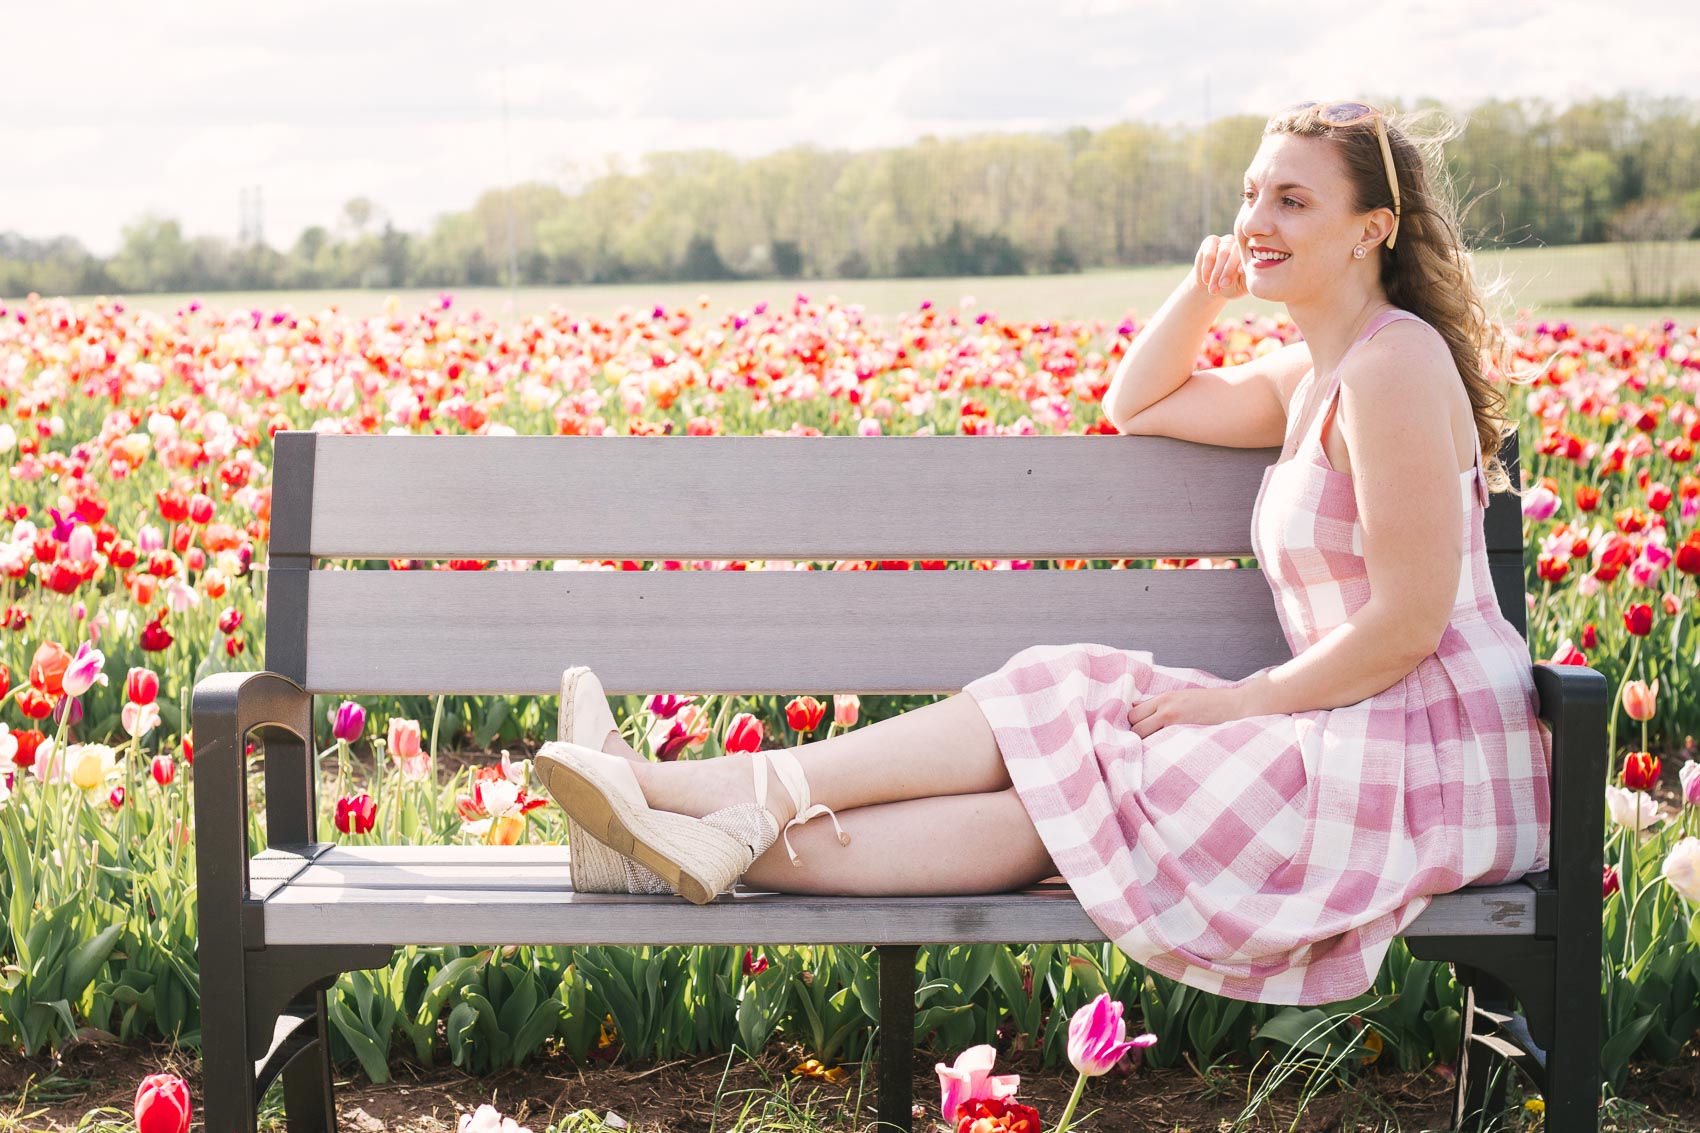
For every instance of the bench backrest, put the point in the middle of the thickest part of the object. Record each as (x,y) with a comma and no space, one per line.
(343,631)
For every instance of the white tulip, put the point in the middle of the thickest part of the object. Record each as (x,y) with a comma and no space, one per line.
(1682,869)
(1634,810)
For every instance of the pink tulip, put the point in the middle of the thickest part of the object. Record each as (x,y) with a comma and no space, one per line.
(162,1104)
(1539,504)
(1640,699)
(84,671)
(1097,1037)
(1690,777)
(970,1078)
(139,719)
(403,738)
(79,548)
(846,710)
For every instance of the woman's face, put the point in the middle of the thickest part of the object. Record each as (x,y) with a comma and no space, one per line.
(1296,208)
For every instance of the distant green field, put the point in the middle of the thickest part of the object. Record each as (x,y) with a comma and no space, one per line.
(1544,280)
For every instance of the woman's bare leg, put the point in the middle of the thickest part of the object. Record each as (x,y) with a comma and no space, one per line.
(951,845)
(940,749)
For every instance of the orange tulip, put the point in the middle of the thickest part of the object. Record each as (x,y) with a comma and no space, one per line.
(47,670)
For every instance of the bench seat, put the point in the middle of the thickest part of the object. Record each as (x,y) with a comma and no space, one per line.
(521,895)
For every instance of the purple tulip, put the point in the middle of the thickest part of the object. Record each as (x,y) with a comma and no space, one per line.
(348,721)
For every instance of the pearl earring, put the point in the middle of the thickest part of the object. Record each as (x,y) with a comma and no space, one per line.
(1358,252)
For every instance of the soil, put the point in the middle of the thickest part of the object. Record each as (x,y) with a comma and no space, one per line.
(682,1096)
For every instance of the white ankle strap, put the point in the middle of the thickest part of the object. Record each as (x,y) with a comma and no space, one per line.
(796,785)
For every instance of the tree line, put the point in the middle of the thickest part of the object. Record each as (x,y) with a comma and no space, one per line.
(1624,168)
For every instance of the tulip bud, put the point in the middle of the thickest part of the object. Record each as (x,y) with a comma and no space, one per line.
(1638,619)
(1690,778)
(116,799)
(1610,883)
(846,710)
(164,770)
(229,619)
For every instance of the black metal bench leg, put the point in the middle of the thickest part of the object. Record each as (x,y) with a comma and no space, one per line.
(309,1096)
(1572,1087)
(896,1037)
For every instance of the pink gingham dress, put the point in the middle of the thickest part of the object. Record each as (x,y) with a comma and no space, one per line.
(1274,858)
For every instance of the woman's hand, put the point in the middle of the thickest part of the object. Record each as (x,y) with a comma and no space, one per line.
(1187,706)
(1219,269)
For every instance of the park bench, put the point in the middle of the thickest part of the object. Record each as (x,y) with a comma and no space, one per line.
(277,928)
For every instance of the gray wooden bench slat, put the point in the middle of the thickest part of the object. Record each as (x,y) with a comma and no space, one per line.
(636,497)
(404,897)
(423,632)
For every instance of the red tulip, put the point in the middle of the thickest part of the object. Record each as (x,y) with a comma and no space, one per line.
(1587,499)
(1688,554)
(155,637)
(28,741)
(162,1104)
(229,619)
(804,714)
(189,751)
(1640,771)
(200,508)
(1552,569)
(5,680)
(754,965)
(1590,636)
(141,686)
(744,733)
(164,770)
(35,705)
(173,508)
(1658,497)
(1610,883)
(1638,619)
(356,814)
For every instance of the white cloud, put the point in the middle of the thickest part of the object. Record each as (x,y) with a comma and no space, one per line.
(116,109)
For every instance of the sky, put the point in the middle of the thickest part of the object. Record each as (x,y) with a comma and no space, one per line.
(117,110)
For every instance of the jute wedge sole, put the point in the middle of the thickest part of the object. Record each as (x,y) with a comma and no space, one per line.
(601,793)
(593,867)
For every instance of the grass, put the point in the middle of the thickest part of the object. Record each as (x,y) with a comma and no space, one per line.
(1549,280)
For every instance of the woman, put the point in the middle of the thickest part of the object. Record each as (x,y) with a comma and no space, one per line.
(1264,838)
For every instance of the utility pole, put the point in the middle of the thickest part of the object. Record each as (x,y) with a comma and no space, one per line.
(1204,184)
(508,194)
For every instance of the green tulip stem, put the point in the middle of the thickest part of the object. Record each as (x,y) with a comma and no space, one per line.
(436,722)
(1073,1100)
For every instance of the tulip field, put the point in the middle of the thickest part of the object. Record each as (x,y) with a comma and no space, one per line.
(136,444)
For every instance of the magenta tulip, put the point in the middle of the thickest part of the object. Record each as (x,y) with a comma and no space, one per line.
(348,721)
(1097,1037)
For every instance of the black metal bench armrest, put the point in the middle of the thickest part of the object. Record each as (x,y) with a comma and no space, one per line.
(226,707)
(1575,702)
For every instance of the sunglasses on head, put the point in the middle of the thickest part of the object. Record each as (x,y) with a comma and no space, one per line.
(1350,114)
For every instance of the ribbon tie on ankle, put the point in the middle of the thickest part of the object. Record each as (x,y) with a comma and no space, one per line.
(796,785)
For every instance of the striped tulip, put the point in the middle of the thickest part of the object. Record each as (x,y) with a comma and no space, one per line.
(1640,771)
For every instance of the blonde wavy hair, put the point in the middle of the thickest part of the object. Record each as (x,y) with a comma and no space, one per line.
(1429,272)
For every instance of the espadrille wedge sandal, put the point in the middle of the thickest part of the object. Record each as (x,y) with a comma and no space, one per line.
(586,720)
(696,858)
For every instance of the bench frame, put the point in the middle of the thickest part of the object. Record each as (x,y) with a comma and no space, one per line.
(263,1003)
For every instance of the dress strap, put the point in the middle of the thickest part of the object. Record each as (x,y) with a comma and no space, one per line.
(1330,388)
